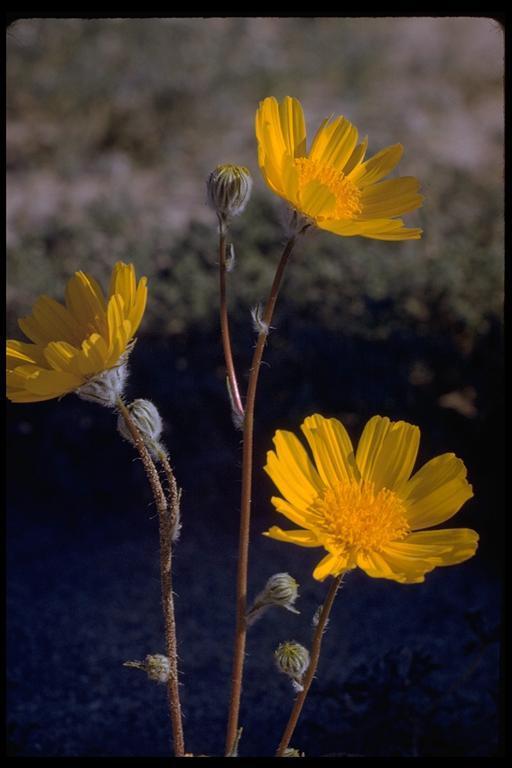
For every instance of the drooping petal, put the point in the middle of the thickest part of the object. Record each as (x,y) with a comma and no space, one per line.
(330,565)
(331,448)
(300,537)
(436,492)
(387,451)
(387,565)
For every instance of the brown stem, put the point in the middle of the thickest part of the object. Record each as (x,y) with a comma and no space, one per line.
(224,326)
(310,673)
(173,497)
(165,579)
(245,512)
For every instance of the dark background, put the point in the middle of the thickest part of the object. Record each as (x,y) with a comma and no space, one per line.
(112,128)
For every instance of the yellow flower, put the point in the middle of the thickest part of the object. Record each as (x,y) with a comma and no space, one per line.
(365,509)
(332,186)
(75,344)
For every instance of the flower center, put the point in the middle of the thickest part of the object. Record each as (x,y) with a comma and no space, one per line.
(355,518)
(339,198)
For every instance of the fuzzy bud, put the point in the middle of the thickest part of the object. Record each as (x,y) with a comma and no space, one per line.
(291,752)
(149,423)
(293,660)
(281,590)
(229,188)
(156,666)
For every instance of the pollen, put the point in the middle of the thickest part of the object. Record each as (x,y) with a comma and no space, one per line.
(355,518)
(345,193)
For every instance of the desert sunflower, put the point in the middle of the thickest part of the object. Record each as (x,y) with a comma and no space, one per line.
(332,186)
(74,345)
(365,509)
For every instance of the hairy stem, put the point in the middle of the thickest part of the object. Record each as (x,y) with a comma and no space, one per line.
(165,579)
(224,327)
(310,673)
(245,512)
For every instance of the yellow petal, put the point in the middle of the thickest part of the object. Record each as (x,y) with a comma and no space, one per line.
(331,448)
(315,199)
(37,381)
(298,515)
(86,302)
(292,471)
(139,305)
(377,229)
(94,355)
(293,126)
(356,157)
(387,565)
(436,492)
(62,357)
(378,166)
(334,143)
(387,452)
(450,545)
(300,537)
(390,198)
(330,565)
(50,321)
(19,352)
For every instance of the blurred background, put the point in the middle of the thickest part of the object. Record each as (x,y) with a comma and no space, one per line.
(112,128)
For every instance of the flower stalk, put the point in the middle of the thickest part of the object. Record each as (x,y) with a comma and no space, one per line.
(165,532)
(234,391)
(245,512)
(316,647)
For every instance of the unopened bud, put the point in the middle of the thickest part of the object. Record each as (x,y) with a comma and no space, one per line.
(229,188)
(156,666)
(291,752)
(148,421)
(293,660)
(281,590)
(106,387)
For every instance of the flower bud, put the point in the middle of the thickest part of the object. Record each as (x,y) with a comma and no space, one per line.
(293,660)
(229,188)
(281,590)
(291,752)
(156,666)
(148,421)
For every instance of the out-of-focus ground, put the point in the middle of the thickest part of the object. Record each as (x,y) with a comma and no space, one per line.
(112,128)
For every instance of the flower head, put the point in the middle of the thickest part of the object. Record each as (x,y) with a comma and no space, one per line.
(75,344)
(332,186)
(365,509)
